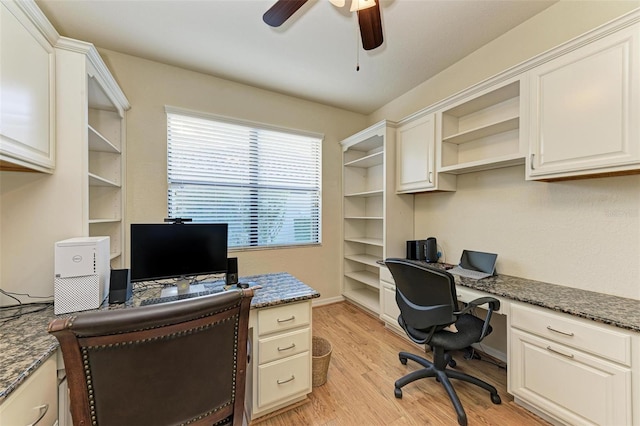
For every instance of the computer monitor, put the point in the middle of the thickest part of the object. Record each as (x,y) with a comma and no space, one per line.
(183,251)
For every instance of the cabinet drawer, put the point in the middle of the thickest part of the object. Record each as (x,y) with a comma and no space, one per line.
(284,317)
(466,295)
(567,383)
(284,345)
(283,378)
(37,396)
(598,340)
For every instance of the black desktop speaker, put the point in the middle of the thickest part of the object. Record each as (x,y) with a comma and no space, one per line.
(232,270)
(120,286)
(431,250)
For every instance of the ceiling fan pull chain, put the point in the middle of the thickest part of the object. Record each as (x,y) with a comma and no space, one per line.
(358,44)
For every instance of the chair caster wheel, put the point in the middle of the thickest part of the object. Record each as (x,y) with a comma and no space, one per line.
(403,360)
(496,399)
(453,363)
(397,392)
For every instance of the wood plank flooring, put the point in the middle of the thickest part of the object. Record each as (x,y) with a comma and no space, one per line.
(364,365)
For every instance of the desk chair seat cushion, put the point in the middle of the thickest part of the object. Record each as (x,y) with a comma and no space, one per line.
(468,329)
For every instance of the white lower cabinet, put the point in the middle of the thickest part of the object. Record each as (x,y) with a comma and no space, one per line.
(34,402)
(280,373)
(390,310)
(577,372)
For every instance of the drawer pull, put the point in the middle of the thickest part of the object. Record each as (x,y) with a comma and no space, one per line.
(560,332)
(281,382)
(291,318)
(550,349)
(291,346)
(43,412)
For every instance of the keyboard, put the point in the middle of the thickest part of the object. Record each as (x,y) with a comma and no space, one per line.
(468,273)
(165,299)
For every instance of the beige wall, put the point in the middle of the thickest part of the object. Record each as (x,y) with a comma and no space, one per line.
(150,86)
(583,234)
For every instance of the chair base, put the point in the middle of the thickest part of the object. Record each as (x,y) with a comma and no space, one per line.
(438,369)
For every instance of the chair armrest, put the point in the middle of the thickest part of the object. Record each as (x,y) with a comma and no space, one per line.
(494,305)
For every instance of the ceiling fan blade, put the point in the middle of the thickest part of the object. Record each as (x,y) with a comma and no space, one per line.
(370,27)
(281,11)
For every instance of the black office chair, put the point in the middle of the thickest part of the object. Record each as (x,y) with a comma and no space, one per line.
(428,304)
(182,362)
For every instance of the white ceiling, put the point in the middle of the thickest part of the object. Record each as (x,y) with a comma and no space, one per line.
(312,56)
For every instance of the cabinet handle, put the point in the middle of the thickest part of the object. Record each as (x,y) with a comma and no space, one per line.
(559,332)
(43,412)
(430,177)
(550,349)
(280,382)
(293,345)
(531,162)
(291,318)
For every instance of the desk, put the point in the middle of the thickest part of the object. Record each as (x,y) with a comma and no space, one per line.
(573,355)
(25,344)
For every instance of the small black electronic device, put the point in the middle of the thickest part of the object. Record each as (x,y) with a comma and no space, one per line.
(415,250)
(431,250)
(120,286)
(232,270)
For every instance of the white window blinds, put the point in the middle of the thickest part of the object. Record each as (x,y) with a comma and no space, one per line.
(264,183)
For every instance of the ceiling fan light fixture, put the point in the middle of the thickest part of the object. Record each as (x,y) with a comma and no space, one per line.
(361,4)
(337,3)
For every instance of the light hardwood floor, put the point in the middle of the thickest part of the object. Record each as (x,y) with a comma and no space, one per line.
(364,365)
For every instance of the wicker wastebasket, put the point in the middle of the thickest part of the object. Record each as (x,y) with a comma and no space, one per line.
(321,353)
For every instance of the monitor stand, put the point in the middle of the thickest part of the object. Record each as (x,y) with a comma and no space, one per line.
(183,286)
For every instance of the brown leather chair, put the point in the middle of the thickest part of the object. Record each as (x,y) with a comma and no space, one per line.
(181,362)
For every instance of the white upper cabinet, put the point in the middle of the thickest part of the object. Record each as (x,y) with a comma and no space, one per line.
(27,88)
(585,109)
(415,157)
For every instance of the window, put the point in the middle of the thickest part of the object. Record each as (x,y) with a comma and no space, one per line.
(264,182)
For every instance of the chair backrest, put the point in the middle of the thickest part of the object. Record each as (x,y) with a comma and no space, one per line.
(172,363)
(426,296)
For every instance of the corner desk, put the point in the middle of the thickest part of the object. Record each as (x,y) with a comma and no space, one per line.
(573,356)
(32,381)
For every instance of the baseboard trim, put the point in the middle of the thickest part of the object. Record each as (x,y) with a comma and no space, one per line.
(327,301)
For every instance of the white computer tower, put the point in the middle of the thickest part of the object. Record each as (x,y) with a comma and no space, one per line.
(81,274)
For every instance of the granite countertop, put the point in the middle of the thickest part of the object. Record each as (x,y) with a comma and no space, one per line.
(613,310)
(25,343)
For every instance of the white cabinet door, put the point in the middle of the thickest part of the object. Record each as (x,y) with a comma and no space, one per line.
(27,87)
(584,110)
(415,145)
(390,310)
(568,384)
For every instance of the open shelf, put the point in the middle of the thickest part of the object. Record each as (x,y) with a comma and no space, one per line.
(366,194)
(95,180)
(482,132)
(370,160)
(366,240)
(365,277)
(97,142)
(365,259)
(367,298)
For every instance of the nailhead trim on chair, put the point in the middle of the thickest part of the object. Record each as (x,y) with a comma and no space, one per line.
(87,369)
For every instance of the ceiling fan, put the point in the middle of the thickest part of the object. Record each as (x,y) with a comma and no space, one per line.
(368,17)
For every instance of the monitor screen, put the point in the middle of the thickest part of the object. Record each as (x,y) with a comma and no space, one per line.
(177,250)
